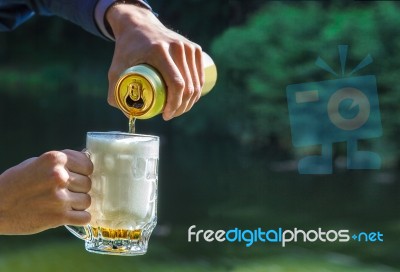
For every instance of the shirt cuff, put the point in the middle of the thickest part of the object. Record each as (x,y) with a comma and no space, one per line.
(100,12)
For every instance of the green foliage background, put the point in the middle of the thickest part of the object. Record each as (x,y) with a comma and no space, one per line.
(278,46)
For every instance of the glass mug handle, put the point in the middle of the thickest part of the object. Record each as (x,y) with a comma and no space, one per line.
(82,232)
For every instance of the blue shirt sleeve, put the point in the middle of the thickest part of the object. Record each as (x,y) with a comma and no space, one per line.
(81,12)
(14,13)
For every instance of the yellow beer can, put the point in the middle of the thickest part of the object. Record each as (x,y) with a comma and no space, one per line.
(141,92)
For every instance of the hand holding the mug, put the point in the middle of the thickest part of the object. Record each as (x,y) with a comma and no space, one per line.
(141,38)
(45,192)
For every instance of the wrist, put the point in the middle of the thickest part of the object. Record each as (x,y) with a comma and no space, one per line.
(126,13)
(103,6)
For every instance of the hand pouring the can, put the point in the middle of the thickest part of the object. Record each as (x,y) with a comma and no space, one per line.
(141,38)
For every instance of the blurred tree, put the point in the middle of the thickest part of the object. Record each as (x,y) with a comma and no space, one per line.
(278,46)
(203,21)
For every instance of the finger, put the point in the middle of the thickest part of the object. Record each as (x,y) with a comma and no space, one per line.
(195,68)
(182,59)
(79,201)
(79,183)
(113,75)
(78,218)
(175,85)
(78,162)
(200,68)
(110,94)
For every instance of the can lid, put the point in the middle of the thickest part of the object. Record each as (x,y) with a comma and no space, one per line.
(134,93)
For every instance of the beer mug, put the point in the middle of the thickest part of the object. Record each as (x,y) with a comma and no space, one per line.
(124,193)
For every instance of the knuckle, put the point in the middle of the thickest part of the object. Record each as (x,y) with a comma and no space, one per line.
(86,201)
(54,157)
(195,48)
(189,91)
(178,83)
(61,198)
(178,44)
(189,47)
(157,47)
(198,48)
(196,92)
(59,176)
(197,89)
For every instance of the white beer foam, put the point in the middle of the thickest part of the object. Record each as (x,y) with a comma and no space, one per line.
(140,146)
(126,194)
